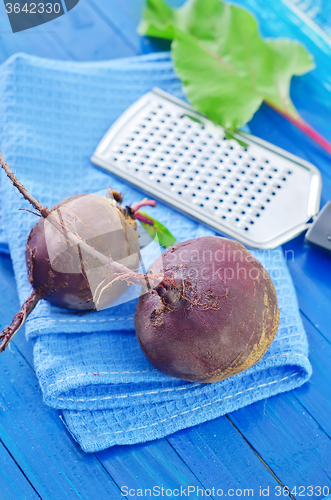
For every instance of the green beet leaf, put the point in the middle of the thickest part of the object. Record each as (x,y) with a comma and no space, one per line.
(226,68)
(158,20)
(165,238)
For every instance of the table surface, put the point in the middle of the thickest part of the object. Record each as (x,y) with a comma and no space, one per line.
(284,440)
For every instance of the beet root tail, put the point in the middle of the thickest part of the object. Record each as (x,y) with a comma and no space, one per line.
(19,319)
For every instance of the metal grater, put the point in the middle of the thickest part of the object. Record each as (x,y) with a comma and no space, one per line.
(260,195)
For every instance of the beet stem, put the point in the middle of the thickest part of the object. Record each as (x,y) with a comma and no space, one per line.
(19,319)
(143,203)
(35,203)
(305,127)
(143,219)
(30,211)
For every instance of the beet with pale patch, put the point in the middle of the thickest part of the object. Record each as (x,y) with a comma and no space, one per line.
(82,254)
(214,314)
(62,273)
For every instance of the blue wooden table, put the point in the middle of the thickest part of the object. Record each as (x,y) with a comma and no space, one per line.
(253,452)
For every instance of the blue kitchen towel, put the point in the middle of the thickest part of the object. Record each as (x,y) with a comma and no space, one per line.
(90,365)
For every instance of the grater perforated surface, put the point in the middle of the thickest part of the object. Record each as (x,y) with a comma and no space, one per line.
(259,194)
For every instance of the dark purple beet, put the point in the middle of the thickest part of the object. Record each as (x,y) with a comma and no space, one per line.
(214,315)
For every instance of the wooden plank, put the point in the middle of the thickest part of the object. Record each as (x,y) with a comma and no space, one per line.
(136,8)
(291,429)
(220,458)
(310,271)
(123,17)
(32,432)
(212,455)
(310,268)
(147,466)
(87,37)
(10,307)
(289,440)
(35,44)
(81,34)
(14,485)
(38,41)
(36,437)
(315,396)
(120,21)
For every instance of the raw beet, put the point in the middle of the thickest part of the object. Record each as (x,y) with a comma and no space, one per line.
(61,273)
(214,315)
(82,254)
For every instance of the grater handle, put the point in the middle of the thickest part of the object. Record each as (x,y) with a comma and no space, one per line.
(319,233)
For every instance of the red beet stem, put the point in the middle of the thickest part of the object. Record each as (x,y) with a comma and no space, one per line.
(19,319)
(143,203)
(306,128)
(143,219)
